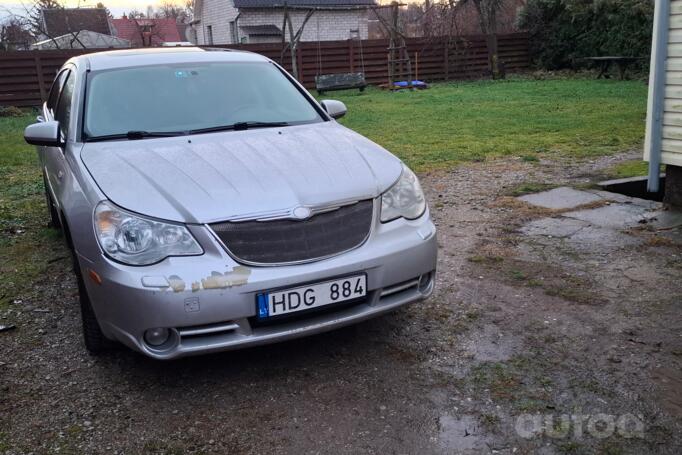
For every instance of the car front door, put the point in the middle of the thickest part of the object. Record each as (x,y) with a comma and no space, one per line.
(54,161)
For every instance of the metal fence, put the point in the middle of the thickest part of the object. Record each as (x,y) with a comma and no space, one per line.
(25,76)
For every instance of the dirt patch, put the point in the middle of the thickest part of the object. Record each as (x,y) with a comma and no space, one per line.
(522,324)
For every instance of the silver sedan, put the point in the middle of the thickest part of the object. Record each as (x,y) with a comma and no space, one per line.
(211,203)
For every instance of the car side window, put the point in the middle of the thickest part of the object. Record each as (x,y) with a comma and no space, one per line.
(55,90)
(63,114)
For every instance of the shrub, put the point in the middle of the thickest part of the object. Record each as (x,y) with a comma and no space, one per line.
(563,31)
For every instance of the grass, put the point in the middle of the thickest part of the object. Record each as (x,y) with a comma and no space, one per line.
(630,168)
(470,121)
(26,243)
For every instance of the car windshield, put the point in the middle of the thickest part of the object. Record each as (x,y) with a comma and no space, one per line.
(184,98)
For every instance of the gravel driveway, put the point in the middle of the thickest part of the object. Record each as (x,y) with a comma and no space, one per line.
(582,336)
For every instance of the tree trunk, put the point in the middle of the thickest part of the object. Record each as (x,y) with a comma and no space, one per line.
(487,12)
(293,45)
(493,58)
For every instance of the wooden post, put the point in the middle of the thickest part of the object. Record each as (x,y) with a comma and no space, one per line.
(41,80)
(351,55)
(446,59)
(393,43)
(299,63)
(416,65)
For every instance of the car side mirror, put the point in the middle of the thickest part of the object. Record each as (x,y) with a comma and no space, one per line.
(335,109)
(43,133)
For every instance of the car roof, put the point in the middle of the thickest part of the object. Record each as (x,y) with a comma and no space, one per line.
(158,56)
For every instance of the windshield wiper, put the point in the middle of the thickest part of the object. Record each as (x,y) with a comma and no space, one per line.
(133,135)
(239,126)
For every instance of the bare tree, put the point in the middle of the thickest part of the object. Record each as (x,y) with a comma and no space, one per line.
(487,14)
(35,15)
(171,10)
(101,5)
(14,34)
(189,8)
(30,17)
(294,37)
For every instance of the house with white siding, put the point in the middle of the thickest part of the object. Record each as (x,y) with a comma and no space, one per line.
(261,21)
(663,140)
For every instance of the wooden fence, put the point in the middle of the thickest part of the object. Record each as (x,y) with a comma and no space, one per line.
(26,76)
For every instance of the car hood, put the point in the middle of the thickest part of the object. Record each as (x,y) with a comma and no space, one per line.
(240,174)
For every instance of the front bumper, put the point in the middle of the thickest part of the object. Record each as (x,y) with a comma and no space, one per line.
(207,311)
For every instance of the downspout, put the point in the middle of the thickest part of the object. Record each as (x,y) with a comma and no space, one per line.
(659,56)
(236,28)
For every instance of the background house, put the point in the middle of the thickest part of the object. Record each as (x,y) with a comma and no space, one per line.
(84,39)
(62,21)
(148,32)
(76,28)
(259,21)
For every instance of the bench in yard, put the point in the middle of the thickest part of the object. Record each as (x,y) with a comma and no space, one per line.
(341,81)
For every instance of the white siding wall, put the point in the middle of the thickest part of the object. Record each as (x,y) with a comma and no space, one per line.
(671,143)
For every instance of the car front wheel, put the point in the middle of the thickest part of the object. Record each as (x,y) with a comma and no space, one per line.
(55,222)
(94,339)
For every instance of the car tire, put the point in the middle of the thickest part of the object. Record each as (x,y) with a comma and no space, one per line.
(95,341)
(55,222)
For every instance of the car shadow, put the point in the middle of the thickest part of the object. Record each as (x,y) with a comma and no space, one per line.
(364,346)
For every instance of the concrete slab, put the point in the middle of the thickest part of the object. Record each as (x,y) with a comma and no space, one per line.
(601,240)
(623,199)
(560,198)
(615,216)
(554,227)
(667,219)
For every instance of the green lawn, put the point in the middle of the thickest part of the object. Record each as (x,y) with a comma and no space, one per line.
(464,121)
(436,128)
(26,243)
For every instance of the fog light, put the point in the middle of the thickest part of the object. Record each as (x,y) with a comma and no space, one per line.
(157,336)
(424,282)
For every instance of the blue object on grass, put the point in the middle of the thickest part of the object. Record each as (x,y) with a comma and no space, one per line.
(415,83)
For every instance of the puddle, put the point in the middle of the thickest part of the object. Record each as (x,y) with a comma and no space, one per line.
(614,216)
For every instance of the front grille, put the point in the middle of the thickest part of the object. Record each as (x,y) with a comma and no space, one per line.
(281,241)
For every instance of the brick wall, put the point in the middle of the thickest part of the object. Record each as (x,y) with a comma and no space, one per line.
(217,14)
(323,25)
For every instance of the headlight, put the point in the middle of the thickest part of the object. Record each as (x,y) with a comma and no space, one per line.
(404,199)
(135,240)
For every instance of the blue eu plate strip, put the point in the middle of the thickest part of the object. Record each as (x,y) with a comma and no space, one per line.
(263,306)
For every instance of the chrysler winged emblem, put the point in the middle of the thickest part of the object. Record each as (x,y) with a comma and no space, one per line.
(301,213)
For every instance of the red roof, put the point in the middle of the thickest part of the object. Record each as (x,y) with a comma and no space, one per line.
(146,32)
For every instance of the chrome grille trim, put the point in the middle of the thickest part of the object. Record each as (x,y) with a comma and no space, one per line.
(286,213)
(399,287)
(365,209)
(207,329)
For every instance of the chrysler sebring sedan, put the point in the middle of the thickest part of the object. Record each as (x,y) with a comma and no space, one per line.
(211,203)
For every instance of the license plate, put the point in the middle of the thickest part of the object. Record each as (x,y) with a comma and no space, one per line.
(285,301)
